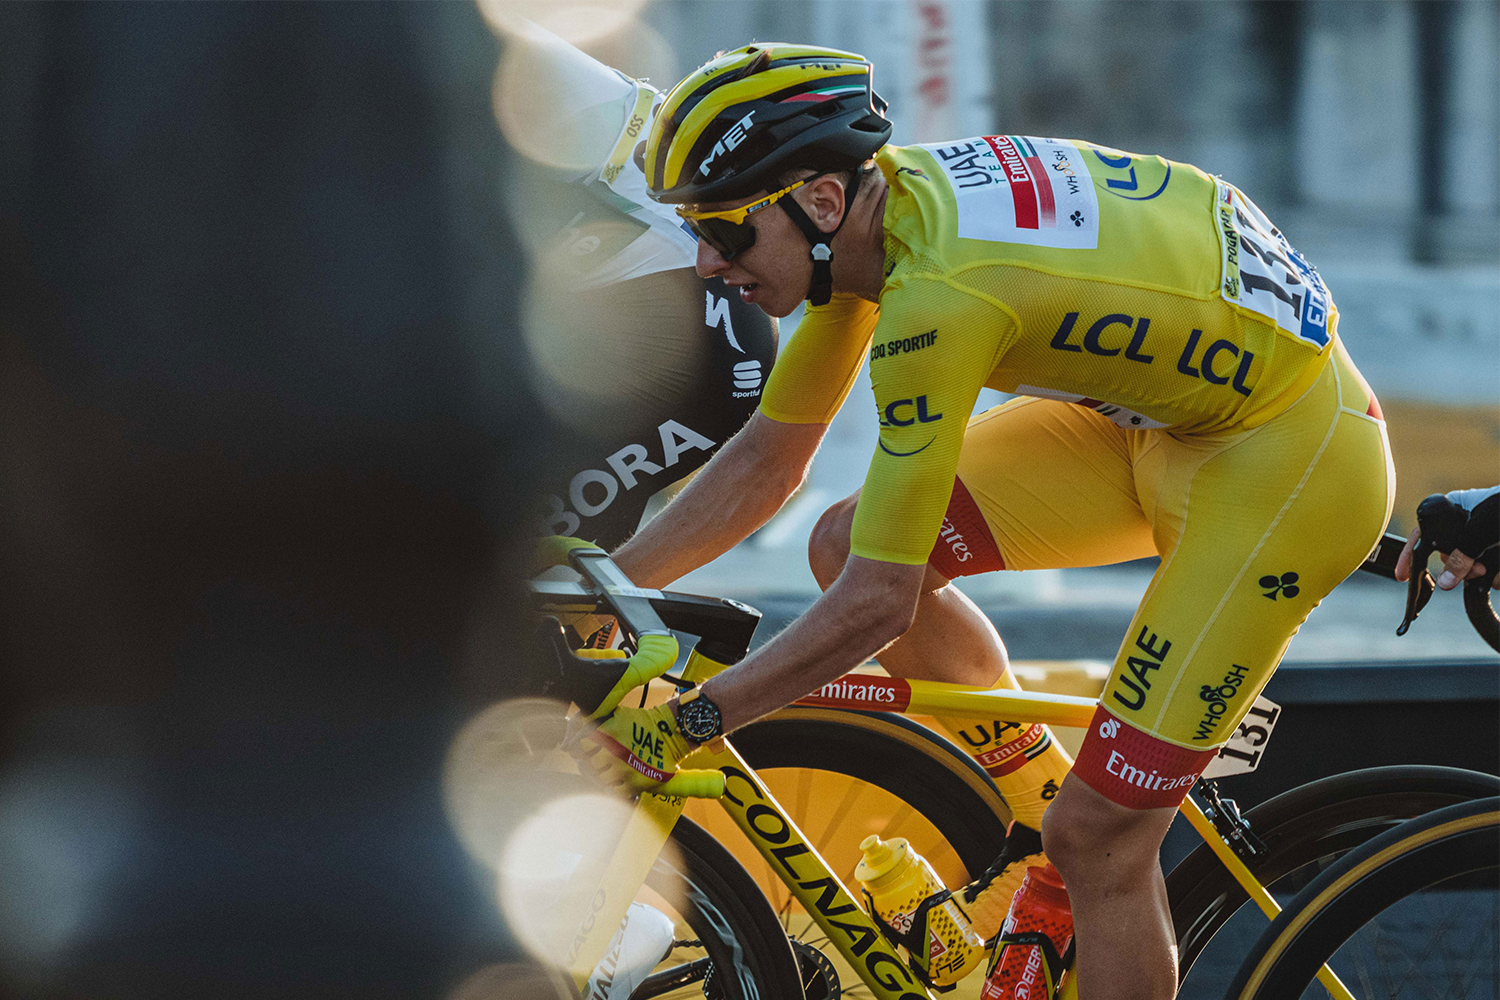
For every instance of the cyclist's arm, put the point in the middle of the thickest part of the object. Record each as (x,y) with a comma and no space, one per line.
(925,387)
(735,493)
(764,464)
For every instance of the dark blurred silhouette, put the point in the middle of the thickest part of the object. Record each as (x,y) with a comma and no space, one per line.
(265,424)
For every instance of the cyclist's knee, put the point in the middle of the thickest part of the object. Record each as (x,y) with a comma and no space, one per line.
(1086,834)
(828,545)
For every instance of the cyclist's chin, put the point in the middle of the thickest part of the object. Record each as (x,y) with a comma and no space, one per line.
(772,301)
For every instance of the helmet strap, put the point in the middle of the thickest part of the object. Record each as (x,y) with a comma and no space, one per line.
(821,288)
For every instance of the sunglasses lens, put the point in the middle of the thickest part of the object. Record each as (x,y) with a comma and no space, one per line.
(724,236)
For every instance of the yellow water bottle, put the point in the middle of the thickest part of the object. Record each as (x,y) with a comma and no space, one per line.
(898,879)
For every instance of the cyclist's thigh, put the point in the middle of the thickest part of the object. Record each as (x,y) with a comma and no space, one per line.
(1254,529)
(1052,482)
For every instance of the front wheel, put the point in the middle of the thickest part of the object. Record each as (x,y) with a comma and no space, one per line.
(730,944)
(1411,913)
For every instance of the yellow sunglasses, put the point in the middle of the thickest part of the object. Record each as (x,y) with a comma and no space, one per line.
(725,230)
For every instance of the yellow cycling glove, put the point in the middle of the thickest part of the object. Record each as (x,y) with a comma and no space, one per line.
(637,749)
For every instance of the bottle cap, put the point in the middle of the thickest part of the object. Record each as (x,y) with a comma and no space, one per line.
(880,856)
(1047,884)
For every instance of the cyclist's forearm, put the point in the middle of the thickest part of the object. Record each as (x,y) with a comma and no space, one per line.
(862,613)
(735,493)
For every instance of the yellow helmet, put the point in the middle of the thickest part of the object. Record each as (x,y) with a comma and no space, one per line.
(743,119)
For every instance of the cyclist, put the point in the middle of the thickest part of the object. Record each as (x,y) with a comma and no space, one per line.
(1182,392)
(684,358)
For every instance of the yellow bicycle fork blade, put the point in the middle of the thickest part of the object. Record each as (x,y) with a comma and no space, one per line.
(645,834)
(1251,885)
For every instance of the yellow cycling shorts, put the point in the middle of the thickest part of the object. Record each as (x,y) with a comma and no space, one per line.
(1253,528)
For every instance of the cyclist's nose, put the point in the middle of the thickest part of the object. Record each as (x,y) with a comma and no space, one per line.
(710,262)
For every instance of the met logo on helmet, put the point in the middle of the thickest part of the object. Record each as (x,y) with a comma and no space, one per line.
(731,139)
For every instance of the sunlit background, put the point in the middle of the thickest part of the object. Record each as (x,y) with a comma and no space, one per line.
(284,336)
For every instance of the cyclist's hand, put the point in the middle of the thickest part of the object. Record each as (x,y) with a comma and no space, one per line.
(553,551)
(1403,561)
(637,749)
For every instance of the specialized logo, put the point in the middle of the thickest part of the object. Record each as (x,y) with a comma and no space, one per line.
(731,139)
(716,311)
(1284,585)
(1015,188)
(1218,697)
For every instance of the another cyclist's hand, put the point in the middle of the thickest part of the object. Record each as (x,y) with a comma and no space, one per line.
(1479,536)
(638,749)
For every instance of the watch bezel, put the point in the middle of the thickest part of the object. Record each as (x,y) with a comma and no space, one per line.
(687,717)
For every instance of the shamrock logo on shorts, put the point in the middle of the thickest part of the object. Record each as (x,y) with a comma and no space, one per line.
(1285,585)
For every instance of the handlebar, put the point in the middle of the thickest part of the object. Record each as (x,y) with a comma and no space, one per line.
(1441,521)
(724,627)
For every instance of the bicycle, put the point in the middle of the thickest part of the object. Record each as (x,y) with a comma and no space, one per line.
(1242,855)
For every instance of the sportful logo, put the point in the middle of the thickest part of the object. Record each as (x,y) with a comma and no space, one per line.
(732,138)
(747,376)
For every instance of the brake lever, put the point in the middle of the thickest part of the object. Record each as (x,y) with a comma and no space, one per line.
(1419,588)
(585,682)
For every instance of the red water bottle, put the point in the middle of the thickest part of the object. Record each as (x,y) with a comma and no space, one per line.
(1021,968)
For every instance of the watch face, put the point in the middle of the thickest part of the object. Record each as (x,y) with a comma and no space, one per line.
(700,719)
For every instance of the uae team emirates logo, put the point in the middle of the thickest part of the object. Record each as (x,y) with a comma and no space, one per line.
(891,694)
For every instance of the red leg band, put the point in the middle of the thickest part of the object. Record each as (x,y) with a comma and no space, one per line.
(1134,769)
(964,545)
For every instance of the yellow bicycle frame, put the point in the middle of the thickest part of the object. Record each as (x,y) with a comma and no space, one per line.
(799,865)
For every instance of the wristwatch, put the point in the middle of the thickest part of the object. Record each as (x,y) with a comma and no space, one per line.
(698,717)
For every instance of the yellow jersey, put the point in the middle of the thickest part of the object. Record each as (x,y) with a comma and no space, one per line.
(1143,288)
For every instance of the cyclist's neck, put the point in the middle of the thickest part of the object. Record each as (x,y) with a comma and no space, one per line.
(859,248)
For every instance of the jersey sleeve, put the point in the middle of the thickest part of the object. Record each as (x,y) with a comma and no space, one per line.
(817,368)
(933,349)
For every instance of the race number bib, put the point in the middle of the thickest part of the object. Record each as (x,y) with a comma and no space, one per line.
(1262,273)
(1243,752)
(1021,189)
